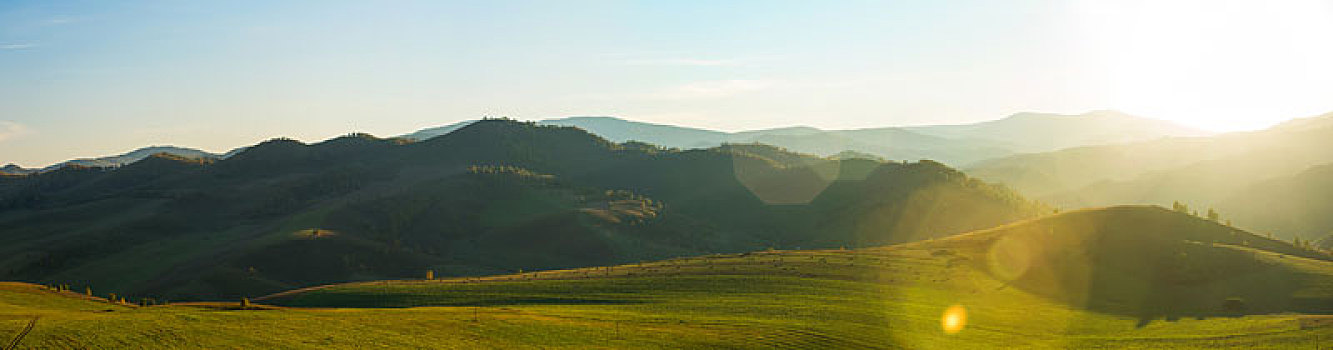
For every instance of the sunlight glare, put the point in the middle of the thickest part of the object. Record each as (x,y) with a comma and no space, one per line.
(1219,65)
(1009,258)
(954,319)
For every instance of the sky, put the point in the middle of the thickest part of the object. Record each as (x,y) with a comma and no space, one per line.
(94,78)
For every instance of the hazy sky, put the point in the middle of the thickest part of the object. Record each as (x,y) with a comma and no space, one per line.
(92,78)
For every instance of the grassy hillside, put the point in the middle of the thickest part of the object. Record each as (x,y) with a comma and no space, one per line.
(493,197)
(1077,289)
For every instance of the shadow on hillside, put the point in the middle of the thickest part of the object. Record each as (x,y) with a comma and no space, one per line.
(1197,281)
(539,301)
(1151,265)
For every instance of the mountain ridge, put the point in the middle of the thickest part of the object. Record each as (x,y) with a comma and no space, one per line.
(284,214)
(1202,171)
(952,144)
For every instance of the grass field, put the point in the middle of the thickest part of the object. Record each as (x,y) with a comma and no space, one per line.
(891,297)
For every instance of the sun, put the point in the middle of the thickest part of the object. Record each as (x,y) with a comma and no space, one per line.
(1218,65)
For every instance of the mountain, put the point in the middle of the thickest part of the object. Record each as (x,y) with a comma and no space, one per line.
(491,197)
(1201,171)
(429,133)
(11,169)
(134,156)
(887,143)
(620,130)
(1296,205)
(1040,132)
(949,144)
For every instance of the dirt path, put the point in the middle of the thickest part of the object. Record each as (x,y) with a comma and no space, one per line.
(15,343)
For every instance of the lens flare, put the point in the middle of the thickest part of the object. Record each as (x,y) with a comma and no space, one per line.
(1009,258)
(954,319)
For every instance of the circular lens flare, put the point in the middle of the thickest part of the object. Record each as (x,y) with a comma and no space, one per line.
(1009,258)
(954,319)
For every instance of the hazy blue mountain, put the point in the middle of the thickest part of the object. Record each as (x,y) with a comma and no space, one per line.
(1204,172)
(135,156)
(1297,205)
(1040,132)
(620,130)
(121,159)
(950,144)
(11,169)
(429,133)
(886,143)
(787,131)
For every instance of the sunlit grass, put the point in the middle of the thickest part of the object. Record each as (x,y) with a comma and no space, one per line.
(939,294)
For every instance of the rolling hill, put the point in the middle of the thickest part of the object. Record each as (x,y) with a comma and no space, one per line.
(1120,277)
(1217,171)
(495,196)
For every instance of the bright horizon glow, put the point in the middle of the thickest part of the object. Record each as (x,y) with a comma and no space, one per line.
(1215,65)
(95,79)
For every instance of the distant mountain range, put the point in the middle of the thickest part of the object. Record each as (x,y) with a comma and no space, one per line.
(116,160)
(956,145)
(490,197)
(1040,132)
(1272,180)
(951,144)
(1093,159)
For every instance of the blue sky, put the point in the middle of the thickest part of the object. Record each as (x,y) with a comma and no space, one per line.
(93,78)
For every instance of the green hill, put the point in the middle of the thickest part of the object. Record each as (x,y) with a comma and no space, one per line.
(1114,277)
(1122,277)
(1131,277)
(493,197)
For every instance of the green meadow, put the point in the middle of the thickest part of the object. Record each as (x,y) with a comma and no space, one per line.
(888,297)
